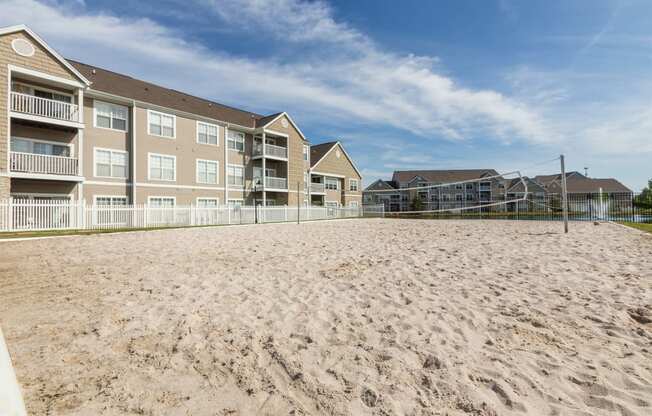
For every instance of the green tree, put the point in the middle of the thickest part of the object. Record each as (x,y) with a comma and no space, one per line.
(417,204)
(644,200)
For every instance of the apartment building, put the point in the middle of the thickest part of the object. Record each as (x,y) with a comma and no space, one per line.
(335,181)
(401,192)
(74,131)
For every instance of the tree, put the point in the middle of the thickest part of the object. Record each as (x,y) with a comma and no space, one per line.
(644,200)
(417,204)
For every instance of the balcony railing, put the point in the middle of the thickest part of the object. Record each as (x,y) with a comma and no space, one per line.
(271,150)
(44,107)
(276,183)
(317,188)
(43,164)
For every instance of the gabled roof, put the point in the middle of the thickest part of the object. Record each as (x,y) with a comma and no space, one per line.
(267,120)
(576,185)
(125,86)
(323,149)
(380,185)
(442,176)
(516,185)
(54,53)
(546,180)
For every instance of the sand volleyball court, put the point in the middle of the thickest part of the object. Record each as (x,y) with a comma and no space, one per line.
(354,317)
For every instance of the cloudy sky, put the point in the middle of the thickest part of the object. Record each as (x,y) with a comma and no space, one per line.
(406,84)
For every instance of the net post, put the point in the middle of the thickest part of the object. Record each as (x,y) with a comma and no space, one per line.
(564,195)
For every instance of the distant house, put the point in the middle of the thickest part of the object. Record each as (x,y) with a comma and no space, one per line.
(578,184)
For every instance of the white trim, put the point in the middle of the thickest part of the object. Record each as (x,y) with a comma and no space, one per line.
(149,178)
(104,149)
(197,123)
(109,196)
(174,124)
(217,171)
(207,199)
(338,143)
(174,198)
(104,183)
(45,120)
(65,178)
(244,141)
(244,176)
(46,76)
(276,133)
(357,186)
(327,174)
(160,185)
(46,194)
(126,130)
(45,89)
(70,145)
(291,122)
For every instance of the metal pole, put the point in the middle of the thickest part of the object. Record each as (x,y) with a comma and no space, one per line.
(298,204)
(564,195)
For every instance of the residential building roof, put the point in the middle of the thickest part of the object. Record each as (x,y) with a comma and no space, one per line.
(317,151)
(125,86)
(546,180)
(594,185)
(263,121)
(442,176)
(380,185)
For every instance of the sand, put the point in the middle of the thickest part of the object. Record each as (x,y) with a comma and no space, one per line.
(352,317)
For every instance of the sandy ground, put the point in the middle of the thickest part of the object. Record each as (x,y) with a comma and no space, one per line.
(360,317)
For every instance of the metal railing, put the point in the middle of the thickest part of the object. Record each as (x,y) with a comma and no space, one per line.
(276,183)
(44,107)
(317,188)
(271,150)
(44,164)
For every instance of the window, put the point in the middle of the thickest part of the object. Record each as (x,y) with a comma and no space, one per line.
(114,201)
(459,186)
(105,214)
(207,202)
(331,204)
(458,197)
(110,163)
(353,204)
(331,183)
(235,202)
(160,124)
(161,201)
(207,171)
(207,133)
(469,197)
(162,167)
(236,140)
(235,175)
(39,147)
(41,92)
(353,184)
(110,116)
(469,186)
(306,152)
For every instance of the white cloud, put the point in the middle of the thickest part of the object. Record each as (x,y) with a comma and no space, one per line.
(345,77)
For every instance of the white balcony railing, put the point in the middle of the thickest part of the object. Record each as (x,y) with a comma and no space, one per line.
(276,183)
(44,107)
(43,164)
(317,188)
(271,150)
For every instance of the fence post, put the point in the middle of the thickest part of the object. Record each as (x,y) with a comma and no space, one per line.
(228,214)
(10,214)
(193,213)
(286,212)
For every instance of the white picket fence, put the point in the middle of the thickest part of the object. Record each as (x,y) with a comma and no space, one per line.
(21,215)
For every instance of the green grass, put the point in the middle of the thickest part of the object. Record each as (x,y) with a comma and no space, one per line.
(58,233)
(639,226)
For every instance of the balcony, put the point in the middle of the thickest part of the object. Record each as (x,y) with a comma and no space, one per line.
(275,183)
(44,107)
(317,188)
(31,163)
(271,151)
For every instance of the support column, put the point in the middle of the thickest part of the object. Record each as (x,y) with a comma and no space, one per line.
(226,167)
(264,173)
(132,152)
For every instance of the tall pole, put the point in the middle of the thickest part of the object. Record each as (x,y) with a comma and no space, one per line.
(564,196)
(298,204)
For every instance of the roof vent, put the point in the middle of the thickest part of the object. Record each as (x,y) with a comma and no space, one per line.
(22,47)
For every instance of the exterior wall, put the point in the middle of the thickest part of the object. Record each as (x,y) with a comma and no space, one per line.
(5,187)
(92,190)
(186,150)
(340,166)
(31,186)
(41,61)
(296,166)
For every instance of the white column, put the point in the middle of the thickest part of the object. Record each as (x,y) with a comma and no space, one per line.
(133,153)
(80,163)
(80,105)
(264,173)
(226,166)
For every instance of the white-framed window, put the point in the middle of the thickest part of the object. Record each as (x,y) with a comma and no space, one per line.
(110,163)
(162,167)
(458,197)
(208,202)
(331,183)
(161,201)
(353,185)
(459,186)
(331,204)
(208,133)
(469,186)
(235,175)
(235,202)
(110,116)
(110,201)
(161,124)
(236,140)
(40,147)
(107,210)
(306,152)
(469,197)
(353,204)
(41,92)
(207,171)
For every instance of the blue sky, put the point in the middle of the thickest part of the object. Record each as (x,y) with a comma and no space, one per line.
(498,84)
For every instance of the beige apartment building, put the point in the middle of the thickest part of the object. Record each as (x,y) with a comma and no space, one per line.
(77,132)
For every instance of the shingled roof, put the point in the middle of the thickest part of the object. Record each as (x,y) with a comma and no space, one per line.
(318,151)
(125,86)
(442,176)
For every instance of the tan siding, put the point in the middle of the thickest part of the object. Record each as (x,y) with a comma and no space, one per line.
(341,166)
(5,186)
(90,191)
(296,165)
(42,61)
